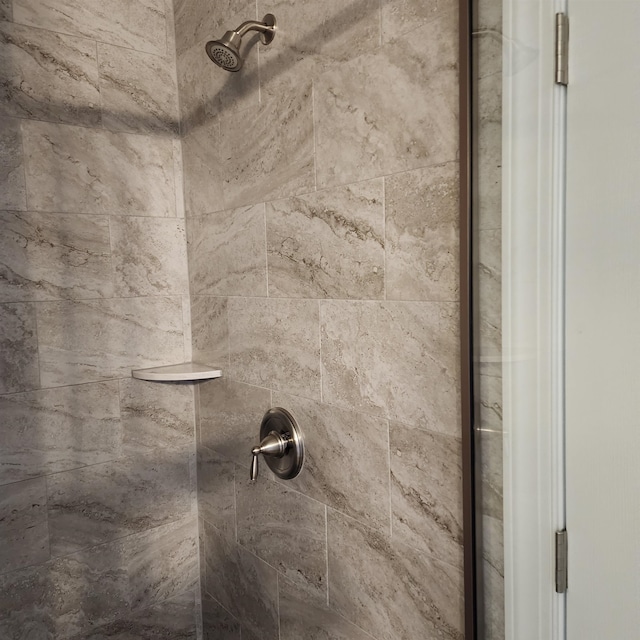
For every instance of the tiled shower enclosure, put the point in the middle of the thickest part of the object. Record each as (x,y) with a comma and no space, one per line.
(294,224)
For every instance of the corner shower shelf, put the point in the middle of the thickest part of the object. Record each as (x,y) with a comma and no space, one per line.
(183,372)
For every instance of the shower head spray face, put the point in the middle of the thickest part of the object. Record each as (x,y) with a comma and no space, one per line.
(226,51)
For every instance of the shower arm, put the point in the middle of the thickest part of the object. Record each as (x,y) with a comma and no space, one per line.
(254,25)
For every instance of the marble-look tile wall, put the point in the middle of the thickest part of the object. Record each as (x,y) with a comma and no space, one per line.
(321,197)
(97,471)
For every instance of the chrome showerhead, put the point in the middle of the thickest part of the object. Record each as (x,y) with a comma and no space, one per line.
(226,51)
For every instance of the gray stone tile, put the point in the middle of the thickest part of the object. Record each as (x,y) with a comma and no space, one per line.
(399,17)
(139,92)
(171,620)
(230,417)
(203,169)
(18,348)
(489,393)
(25,610)
(313,37)
(210,331)
(303,616)
(112,500)
(364,130)
(6,10)
(206,90)
(228,253)
(422,597)
(48,76)
(217,622)
(275,343)
(58,429)
(162,563)
(268,153)
(23,524)
(244,585)
(79,170)
(421,214)
(285,529)
(199,19)
(346,459)
(96,339)
(426,492)
(216,491)
(395,359)
(156,417)
(149,256)
(13,193)
(135,25)
(53,256)
(489,294)
(329,244)
(88,589)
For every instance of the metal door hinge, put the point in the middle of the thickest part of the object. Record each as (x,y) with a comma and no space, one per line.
(561,562)
(562,49)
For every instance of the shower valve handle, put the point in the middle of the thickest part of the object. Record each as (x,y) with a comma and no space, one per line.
(273,444)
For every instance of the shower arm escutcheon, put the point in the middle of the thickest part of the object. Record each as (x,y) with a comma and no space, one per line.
(281,444)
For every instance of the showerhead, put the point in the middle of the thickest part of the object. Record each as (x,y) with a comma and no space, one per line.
(226,51)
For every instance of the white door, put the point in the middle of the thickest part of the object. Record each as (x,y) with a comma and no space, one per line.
(603,321)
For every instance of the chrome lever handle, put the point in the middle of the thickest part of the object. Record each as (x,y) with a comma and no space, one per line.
(273,444)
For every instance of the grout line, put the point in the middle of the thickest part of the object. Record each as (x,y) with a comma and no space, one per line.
(390,486)
(266,247)
(35,315)
(326,539)
(384,238)
(320,342)
(278,601)
(315,142)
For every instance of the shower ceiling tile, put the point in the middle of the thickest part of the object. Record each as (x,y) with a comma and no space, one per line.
(366,569)
(48,76)
(275,343)
(13,193)
(79,170)
(421,214)
(388,111)
(97,339)
(328,244)
(228,253)
(139,25)
(394,359)
(139,92)
(23,524)
(334,438)
(149,256)
(426,492)
(53,256)
(18,348)
(58,429)
(314,37)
